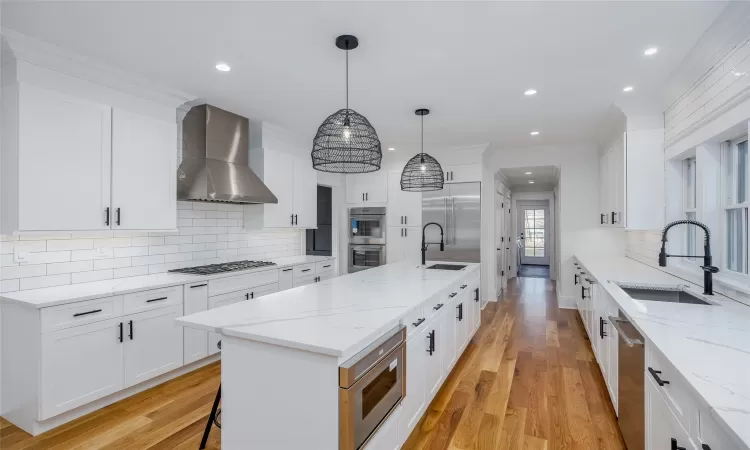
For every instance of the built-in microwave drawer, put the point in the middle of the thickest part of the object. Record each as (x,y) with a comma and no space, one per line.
(80,313)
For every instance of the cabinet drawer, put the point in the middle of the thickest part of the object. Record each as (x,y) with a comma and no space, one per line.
(673,387)
(415,320)
(323,267)
(286,278)
(304,270)
(431,306)
(240,282)
(711,434)
(153,299)
(80,313)
(304,280)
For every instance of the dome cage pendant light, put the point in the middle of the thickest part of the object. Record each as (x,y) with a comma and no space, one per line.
(422,172)
(346,142)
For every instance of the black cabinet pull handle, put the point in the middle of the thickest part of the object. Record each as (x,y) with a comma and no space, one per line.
(674,445)
(402,232)
(325,267)
(583,293)
(575,278)
(602,322)
(367,196)
(363,196)
(452,295)
(463,286)
(406,232)
(156,299)
(117,220)
(287,270)
(130,324)
(305,270)
(198,285)
(247,296)
(438,306)
(476,294)
(295,220)
(402,220)
(106,216)
(292,219)
(705,447)
(460,312)
(419,321)
(613,218)
(406,220)
(431,342)
(655,374)
(601,219)
(93,311)
(120,327)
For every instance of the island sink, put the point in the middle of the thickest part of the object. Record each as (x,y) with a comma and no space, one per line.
(446,266)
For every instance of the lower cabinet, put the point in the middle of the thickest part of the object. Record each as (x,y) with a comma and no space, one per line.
(413,403)
(387,437)
(663,430)
(195,341)
(80,365)
(153,344)
(433,361)
(449,328)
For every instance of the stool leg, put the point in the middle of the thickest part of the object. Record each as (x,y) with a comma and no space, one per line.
(211,419)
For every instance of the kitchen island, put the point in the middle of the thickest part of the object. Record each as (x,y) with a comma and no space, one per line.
(281,354)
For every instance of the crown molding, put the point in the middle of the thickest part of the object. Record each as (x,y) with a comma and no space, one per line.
(43,54)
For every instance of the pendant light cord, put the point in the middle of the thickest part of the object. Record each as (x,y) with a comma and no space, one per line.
(422,134)
(347,77)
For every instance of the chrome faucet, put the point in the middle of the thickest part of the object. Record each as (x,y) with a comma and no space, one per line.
(708,269)
(425,244)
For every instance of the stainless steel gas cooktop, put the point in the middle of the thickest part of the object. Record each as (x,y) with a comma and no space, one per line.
(225,267)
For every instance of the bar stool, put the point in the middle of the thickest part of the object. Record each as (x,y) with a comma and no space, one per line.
(213,419)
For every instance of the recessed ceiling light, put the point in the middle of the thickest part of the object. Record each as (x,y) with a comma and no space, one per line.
(530,92)
(650,51)
(531,181)
(223,67)
(390,149)
(627,89)
(527,173)
(534,133)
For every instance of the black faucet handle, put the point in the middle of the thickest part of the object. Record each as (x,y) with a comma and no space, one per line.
(710,269)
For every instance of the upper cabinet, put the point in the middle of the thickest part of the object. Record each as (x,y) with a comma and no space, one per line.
(72,164)
(462,174)
(404,208)
(631,177)
(294,183)
(367,188)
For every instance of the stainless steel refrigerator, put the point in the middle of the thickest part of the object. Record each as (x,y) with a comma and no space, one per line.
(457,208)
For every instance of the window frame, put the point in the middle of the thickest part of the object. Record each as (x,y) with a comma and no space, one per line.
(728,201)
(689,210)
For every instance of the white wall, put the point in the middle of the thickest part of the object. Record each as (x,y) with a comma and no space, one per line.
(578,213)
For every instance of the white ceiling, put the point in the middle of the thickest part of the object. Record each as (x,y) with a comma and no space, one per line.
(544,177)
(469,62)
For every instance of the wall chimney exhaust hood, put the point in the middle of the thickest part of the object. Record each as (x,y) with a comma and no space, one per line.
(214,165)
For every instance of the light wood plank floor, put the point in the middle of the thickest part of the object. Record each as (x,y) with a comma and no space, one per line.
(527,381)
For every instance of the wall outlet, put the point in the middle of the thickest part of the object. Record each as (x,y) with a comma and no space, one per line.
(21,257)
(103,252)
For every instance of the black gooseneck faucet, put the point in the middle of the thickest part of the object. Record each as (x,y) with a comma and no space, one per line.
(425,244)
(708,269)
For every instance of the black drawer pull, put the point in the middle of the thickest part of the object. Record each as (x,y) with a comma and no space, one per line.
(156,299)
(419,322)
(305,270)
(674,445)
(106,216)
(87,313)
(705,447)
(325,267)
(287,270)
(198,285)
(460,308)
(463,286)
(431,342)
(131,329)
(120,327)
(476,295)
(117,221)
(602,322)
(438,306)
(452,295)
(655,374)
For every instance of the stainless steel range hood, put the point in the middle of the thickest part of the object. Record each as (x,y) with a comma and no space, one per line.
(214,165)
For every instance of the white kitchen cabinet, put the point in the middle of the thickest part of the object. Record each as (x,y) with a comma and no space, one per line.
(63,164)
(286,278)
(462,174)
(217,302)
(612,343)
(433,361)
(404,208)
(387,437)
(79,365)
(449,326)
(305,280)
(294,183)
(367,188)
(662,427)
(600,300)
(414,403)
(404,243)
(476,305)
(195,341)
(153,344)
(143,158)
(462,322)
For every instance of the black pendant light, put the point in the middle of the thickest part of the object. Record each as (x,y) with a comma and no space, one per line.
(346,142)
(423,172)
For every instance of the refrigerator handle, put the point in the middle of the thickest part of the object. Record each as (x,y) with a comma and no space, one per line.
(445,214)
(453,219)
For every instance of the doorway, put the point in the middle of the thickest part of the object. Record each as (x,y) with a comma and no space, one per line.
(320,241)
(534,228)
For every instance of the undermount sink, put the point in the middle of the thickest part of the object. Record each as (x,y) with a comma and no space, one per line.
(671,294)
(446,266)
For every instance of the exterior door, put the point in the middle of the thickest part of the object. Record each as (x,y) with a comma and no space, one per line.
(534,227)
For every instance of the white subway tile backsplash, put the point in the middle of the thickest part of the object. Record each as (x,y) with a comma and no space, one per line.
(162,249)
(31,236)
(226,253)
(131,251)
(205,222)
(7,247)
(178,257)
(184,205)
(114,263)
(7,260)
(44,281)
(182,223)
(170,240)
(235,215)
(9,285)
(204,255)
(217,214)
(94,275)
(205,206)
(92,234)
(45,257)
(159,268)
(150,240)
(69,267)
(147,260)
(191,214)
(70,244)
(7,273)
(130,271)
(201,238)
(216,245)
(81,255)
(191,247)
(113,242)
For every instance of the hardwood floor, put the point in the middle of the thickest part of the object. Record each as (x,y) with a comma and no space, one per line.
(527,381)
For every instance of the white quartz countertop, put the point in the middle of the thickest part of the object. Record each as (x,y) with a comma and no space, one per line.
(58,295)
(708,345)
(336,317)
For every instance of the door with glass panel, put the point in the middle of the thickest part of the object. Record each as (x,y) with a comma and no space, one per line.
(534,227)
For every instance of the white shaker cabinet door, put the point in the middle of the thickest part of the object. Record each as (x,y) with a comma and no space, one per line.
(153,344)
(305,194)
(80,365)
(449,326)
(278,176)
(144,157)
(414,402)
(661,425)
(404,208)
(434,360)
(395,248)
(64,157)
(195,341)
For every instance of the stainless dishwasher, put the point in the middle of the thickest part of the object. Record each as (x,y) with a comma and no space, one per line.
(630,373)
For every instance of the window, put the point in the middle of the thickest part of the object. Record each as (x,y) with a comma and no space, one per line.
(689,205)
(534,232)
(735,205)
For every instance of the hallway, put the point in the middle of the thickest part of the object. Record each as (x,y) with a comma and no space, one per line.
(528,380)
